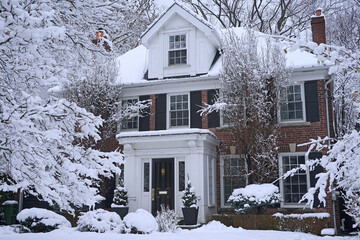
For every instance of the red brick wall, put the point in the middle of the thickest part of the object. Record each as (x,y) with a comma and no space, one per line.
(289,134)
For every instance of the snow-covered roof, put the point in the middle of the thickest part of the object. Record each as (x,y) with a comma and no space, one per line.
(133,64)
(166,132)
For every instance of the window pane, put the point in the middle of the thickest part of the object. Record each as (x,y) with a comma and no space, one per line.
(181,176)
(177,45)
(129,123)
(146,177)
(179,110)
(296,186)
(233,175)
(291,103)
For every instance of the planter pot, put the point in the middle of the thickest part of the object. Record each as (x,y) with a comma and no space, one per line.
(190,215)
(122,211)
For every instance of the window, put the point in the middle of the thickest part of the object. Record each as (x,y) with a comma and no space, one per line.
(177,49)
(293,188)
(211,180)
(146,177)
(181,176)
(233,175)
(179,110)
(292,103)
(128,123)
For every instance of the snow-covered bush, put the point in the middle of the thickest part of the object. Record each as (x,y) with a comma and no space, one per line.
(100,221)
(140,222)
(189,198)
(166,219)
(257,196)
(120,196)
(41,220)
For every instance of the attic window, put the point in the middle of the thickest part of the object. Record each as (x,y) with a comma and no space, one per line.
(177,49)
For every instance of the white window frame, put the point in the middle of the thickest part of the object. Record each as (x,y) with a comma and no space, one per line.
(212,189)
(222,157)
(303,106)
(177,49)
(168,115)
(129,129)
(292,205)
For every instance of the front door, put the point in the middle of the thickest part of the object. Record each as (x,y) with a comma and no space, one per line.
(162,184)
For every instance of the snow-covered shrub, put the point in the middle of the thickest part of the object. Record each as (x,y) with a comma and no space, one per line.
(257,196)
(166,219)
(41,220)
(189,198)
(140,222)
(100,221)
(120,196)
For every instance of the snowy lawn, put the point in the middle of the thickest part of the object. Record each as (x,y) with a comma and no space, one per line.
(212,231)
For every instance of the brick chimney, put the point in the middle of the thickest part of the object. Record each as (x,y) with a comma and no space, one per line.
(318,27)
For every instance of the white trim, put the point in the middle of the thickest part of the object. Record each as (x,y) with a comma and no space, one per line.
(168,125)
(302,89)
(292,205)
(211,198)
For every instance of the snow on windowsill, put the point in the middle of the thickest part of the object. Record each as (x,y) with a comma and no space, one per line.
(293,124)
(165,132)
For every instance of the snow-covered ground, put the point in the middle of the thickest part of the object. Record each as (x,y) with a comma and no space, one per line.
(212,231)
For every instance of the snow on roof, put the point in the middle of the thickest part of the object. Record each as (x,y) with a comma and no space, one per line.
(132,66)
(165,132)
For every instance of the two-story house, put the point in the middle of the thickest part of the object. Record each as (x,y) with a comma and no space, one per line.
(177,67)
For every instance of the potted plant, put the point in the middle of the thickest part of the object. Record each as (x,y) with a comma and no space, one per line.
(190,209)
(120,200)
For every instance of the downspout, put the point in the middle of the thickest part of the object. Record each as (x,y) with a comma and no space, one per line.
(333,194)
(327,109)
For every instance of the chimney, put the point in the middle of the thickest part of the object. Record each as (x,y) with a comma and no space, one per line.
(318,27)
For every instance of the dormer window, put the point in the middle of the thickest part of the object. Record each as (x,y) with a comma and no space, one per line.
(177,49)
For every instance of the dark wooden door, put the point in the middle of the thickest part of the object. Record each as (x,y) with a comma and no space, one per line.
(162,184)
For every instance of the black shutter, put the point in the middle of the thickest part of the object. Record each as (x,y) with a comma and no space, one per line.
(311,101)
(144,122)
(160,112)
(317,169)
(195,106)
(214,117)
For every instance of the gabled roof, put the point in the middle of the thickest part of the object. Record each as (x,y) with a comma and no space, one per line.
(176,8)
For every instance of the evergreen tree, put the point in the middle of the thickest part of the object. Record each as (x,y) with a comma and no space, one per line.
(120,195)
(189,199)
